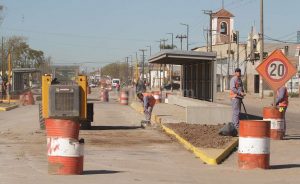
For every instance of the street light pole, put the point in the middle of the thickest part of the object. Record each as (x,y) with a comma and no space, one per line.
(143,64)
(171,65)
(149,67)
(261,37)
(187,35)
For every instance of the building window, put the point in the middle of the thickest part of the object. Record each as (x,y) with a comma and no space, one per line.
(223,28)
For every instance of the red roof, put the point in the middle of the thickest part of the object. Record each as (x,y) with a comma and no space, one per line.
(222,13)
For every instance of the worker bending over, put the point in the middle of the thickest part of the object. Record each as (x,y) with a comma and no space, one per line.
(148,104)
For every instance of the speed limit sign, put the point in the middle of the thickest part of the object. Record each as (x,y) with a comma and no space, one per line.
(276,70)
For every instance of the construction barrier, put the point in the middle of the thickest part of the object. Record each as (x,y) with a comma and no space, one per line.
(157,96)
(273,115)
(104,96)
(65,152)
(65,156)
(254,144)
(124,97)
(62,128)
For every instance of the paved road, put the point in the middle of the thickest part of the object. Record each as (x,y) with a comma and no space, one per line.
(117,151)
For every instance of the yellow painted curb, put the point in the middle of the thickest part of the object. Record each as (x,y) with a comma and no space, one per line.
(199,153)
(8,108)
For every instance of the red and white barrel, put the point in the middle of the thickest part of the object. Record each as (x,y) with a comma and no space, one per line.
(65,156)
(124,97)
(65,152)
(273,115)
(104,96)
(254,144)
(157,96)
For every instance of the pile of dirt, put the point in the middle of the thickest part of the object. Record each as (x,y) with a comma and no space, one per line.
(204,136)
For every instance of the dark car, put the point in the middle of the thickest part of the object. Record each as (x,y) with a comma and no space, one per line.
(174,85)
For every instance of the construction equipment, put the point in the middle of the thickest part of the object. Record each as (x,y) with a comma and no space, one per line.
(64,96)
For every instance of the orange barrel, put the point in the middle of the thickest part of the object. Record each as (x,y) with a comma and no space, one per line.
(65,156)
(273,115)
(104,97)
(254,144)
(124,97)
(157,96)
(62,128)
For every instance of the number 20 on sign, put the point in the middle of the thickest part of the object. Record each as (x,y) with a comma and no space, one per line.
(276,70)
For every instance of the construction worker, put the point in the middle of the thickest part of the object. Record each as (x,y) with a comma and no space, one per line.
(148,104)
(282,101)
(236,96)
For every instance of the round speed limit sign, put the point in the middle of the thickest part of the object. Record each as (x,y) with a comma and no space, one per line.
(276,69)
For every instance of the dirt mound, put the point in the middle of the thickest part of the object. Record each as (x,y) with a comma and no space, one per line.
(204,136)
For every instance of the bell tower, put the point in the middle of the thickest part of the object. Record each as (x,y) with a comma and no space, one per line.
(222,27)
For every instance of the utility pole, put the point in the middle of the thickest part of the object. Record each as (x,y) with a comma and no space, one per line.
(187,35)
(238,49)
(181,37)
(143,63)
(127,70)
(149,67)
(210,13)
(3,63)
(261,36)
(171,65)
(228,64)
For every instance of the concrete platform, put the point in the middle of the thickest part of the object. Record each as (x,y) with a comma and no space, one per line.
(207,155)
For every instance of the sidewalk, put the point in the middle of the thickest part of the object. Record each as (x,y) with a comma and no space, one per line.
(255,101)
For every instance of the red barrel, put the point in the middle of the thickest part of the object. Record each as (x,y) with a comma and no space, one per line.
(65,156)
(254,144)
(273,115)
(27,98)
(62,128)
(104,96)
(124,97)
(157,96)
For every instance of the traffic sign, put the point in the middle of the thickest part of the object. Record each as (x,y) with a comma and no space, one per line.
(276,69)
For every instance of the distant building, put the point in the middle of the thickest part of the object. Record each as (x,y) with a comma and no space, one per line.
(244,55)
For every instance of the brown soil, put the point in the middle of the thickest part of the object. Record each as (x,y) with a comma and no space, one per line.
(204,136)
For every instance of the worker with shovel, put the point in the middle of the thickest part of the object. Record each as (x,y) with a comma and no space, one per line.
(236,94)
(148,104)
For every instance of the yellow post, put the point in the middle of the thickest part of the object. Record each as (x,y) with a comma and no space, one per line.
(82,82)
(46,82)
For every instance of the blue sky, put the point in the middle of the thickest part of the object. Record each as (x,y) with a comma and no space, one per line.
(96,32)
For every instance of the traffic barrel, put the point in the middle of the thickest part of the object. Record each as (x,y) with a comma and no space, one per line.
(124,97)
(104,96)
(65,156)
(62,128)
(65,152)
(157,96)
(273,115)
(254,144)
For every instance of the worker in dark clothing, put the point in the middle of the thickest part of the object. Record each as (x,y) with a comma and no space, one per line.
(148,104)
(236,96)
(282,101)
